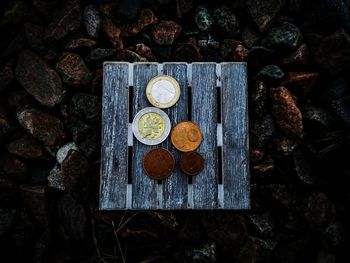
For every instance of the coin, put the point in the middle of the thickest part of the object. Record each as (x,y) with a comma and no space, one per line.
(159,163)
(151,126)
(163,91)
(186,136)
(191,163)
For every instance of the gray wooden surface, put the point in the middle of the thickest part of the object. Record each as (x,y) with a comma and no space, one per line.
(205,192)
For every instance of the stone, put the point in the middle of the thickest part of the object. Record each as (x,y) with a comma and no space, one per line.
(129,56)
(259,98)
(6,74)
(334,235)
(146,52)
(278,194)
(326,257)
(256,154)
(35,37)
(92,20)
(341,107)
(263,223)
(45,127)
(262,131)
(65,19)
(263,12)
(250,36)
(73,70)
(113,33)
(146,18)
(286,113)
(10,166)
(260,57)
(204,253)
(183,7)
(240,54)
(207,41)
(6,127)
(187,51)
(129,8)
(165,32)
(284,36)
(13,12)
(270,74)
(39,79)
(26,147)
(317,115)
(303,82)
(100,54)
(227,21)
(333,52)
(284,145)
(264,169)
(55,179)
(203,18)
(256,250)
(299,57)
(64,151)
(7,214)
(77,44)
(228,46)
(86,107)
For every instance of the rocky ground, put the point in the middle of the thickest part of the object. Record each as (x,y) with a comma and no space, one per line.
(298,55)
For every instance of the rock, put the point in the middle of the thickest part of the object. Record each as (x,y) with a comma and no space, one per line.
(341,107)
(204,253)
(183,7)
(285,36)
(13,13)
(299,57)
(100,54)
(226,21)
(250,36)
(55,179)
(35,37)
(278,194)
(262,223)
(262,131)
(287,114)
(256,250)
(113,33)
(12,167)
(271,74)
(26,147)
(240,54)
(187,51)
(303,82)
(39,79)
(264,169)
(129,56)
(318,115)
(333,53)
(203,18)
(146,18)
(64,150)
(6,217)
(65,19)
(86,106)
(92,20)
(46,128)
(336,89)
(256,154)
(6,127)
(326,257)
(165,32)
(259,98)
(6,74)
(207,41)
(284,146)
(334,235)
(228,46)
(259,57)
(145,51)
(77,44)
(263,12)
(129,8)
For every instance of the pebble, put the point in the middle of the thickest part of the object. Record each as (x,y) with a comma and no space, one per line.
(263,12)
(7,214)
(146,52)
(183,7)
(260,57)
(303,82)
(11,166)
(78,44)
(187,51)
(204,253)
(278,194)
(55,179)
(26,147)
(341,107)
(113,33)
(250,36)
(64,150)
(39,79)
(259,98)
(165,32)
(270,74)
(129,8)
(228,46)
(286,113)
(73,70)
(262,130)
(146,18)
(227,21)
(263,223)
(6,74)
(129,56)
(35,37)
(317,114)
(100,54)
(203,18)
(92,20)
(86,106)
(240,54)
(334,235)
(303,167)
(284,145)
(299,57)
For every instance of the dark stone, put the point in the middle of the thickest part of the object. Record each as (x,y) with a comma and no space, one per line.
(299,57)
(145,51)
(129,8)
(284,146)
(250,36)
(92,20)
(55,179)
(162,52)
(260,57)
(13,13)
(341,107)
(317,114)
(228,46)
(129,56)
(113,33)
(12,167)
(205,253)
(183,7)
(286,113)
(187,51)
(336,89)
(15,45)
(46,128)
(203,18)
(240,54)
(302,82)
(100,54)
(35,37)
(65,19)
(278,194)
(256,154)
(259,98)
(263,169)
(263,223)
(208,41)
(6,126)
(64,151)
(146,18)
(263,12)
(26,147)
(333,53)
(75,44)
(326,257)
(165,32)
(334,235)
(226,21)
(39,79)
(262,130)
(270,74)
(86,106)
(73,70)
(285,36)
(256,250)
(6,74)
(6,217)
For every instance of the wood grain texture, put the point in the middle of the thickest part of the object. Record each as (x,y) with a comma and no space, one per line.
(235,136)
(144,189)
(175,187)
(114,136)
(204,113)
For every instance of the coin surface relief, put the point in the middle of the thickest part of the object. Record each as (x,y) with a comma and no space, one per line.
(163,91)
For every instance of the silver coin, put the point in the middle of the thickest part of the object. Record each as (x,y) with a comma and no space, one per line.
(151,126)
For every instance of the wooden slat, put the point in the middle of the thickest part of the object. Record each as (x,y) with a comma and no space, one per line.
(144,189)
(235,140)
(204,113)
(114,136)
(175,187)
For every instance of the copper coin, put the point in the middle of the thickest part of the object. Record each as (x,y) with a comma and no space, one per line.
(186,136)
(191,163)
(159,163)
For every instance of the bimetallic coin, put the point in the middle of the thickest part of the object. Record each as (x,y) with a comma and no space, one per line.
(191,163)
(186,136)
(151,126)
(159,163)
(163,91)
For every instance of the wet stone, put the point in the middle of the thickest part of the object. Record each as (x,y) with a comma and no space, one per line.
(146,18)
(262,223)
(39,79)
(263,12)
(203,18)
(165,32)
(46,128)
(86,106)
(26,147)
(326,257)
(74,44)
(341,107)
(6,128)
(92,20)
(286,113)
(284,36)
(64,150)
(113,33)
(66,18)
(6,74)
(299,57)
(262,130)
(12,166)
(100,54)
(227,21)
(271,74)
(73,70)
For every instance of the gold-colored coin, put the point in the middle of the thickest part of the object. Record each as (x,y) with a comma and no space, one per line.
(151,125)
(186,136)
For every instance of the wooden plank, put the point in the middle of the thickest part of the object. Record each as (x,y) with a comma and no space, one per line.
(204,113)
(175,187)
(114,136)
(235,136)
(144,189)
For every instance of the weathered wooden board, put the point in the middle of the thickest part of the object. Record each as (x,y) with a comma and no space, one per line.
(199,84)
